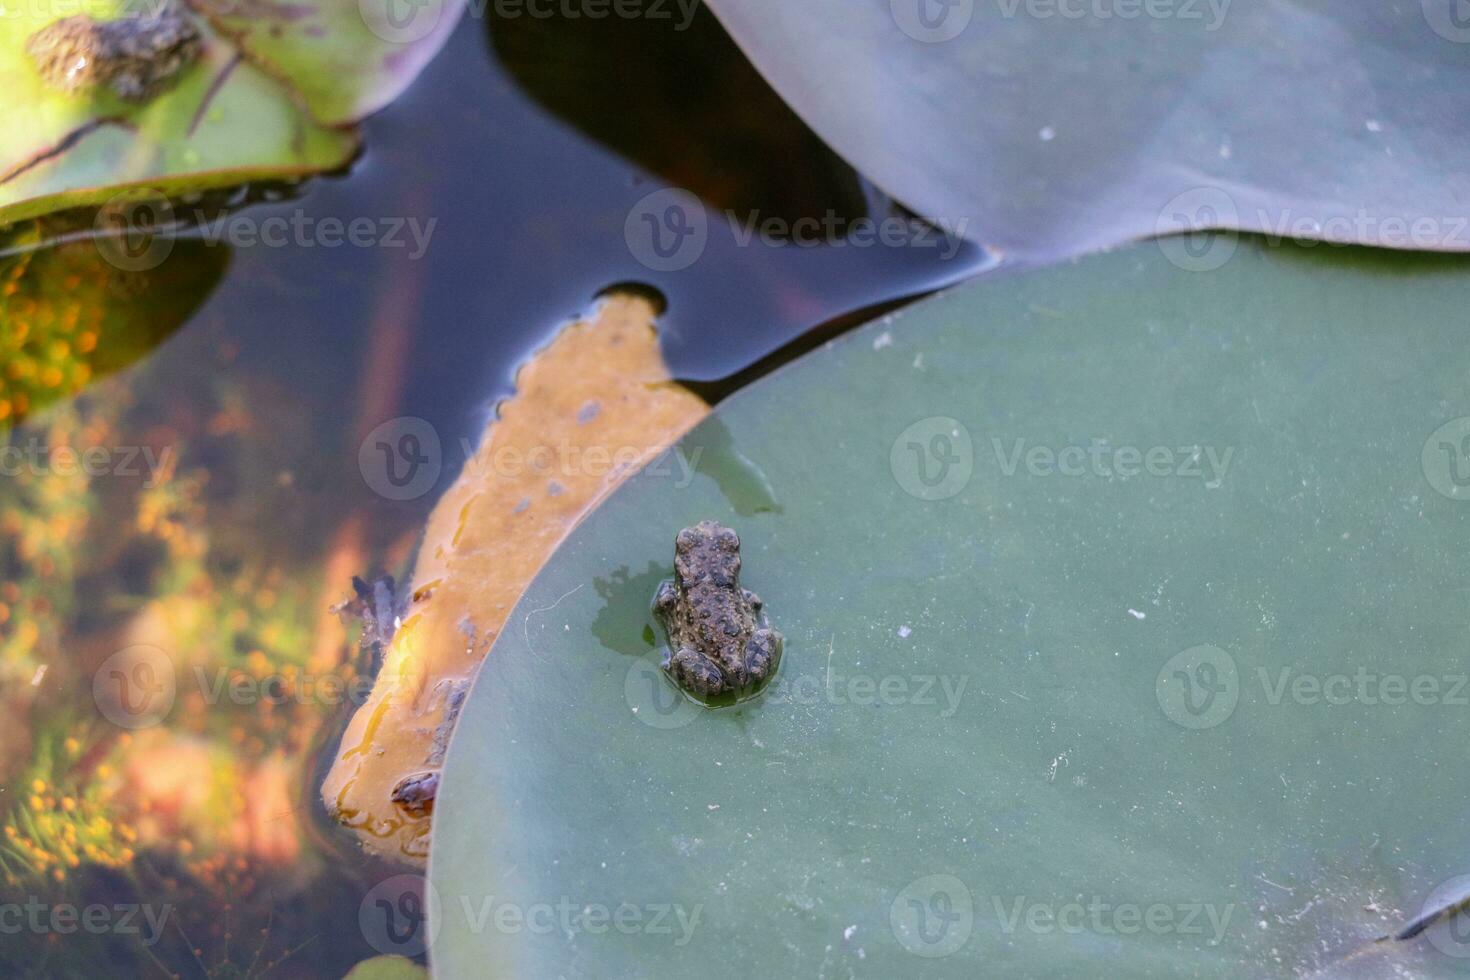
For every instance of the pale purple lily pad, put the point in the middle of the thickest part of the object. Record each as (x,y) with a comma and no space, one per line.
(1054,127)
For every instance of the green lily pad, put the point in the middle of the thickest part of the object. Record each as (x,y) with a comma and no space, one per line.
(387,968)
(1055,127)
(346,58)
(1078,571)
(268,98)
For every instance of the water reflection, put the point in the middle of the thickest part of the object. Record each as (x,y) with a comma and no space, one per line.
(72,314)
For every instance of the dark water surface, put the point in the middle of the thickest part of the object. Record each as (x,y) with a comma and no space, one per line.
(228,509)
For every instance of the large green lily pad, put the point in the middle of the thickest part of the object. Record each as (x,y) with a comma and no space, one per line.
(1125,613)
(1054,127)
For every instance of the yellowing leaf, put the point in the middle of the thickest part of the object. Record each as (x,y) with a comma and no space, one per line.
(590,409)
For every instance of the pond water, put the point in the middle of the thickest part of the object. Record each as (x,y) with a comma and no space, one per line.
(205,497)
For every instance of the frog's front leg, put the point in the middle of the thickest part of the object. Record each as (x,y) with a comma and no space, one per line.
(666,600)
(696,673)
(752,600)
(762,654)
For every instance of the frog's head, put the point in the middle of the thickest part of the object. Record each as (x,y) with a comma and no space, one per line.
(707,551)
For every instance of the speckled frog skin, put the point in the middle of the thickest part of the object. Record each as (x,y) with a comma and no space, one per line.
(718,640)
(137,57)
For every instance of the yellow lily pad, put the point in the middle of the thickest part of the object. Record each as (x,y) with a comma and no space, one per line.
(590,409)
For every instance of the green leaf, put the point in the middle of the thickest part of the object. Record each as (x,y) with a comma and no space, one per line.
(346,58)
(1032,718)
(387,968)
(1053,128)
(269,98)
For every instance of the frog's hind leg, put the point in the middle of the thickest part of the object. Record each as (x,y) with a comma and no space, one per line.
(666,598)
(762,654)
(695,672)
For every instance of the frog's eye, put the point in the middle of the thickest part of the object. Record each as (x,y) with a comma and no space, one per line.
(729,540)
(685,539)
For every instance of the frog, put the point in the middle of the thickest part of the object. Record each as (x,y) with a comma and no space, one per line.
(137,56)
(719,640)
(415,793)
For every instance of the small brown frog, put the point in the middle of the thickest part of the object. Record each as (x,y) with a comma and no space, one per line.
(718,639)
(415,793)
(137,56)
